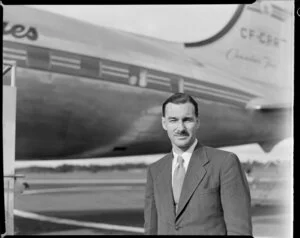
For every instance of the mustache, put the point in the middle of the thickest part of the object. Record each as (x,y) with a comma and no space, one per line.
(182,133)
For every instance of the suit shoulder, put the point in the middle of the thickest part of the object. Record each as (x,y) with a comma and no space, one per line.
(156,167)
(214,154)
(159,163)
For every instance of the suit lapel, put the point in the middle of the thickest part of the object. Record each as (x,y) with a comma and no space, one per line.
(193,177)
(164,187)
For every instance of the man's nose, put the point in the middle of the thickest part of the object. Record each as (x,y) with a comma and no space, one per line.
(180,126)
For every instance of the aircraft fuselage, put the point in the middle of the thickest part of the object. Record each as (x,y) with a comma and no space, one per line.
(72,106)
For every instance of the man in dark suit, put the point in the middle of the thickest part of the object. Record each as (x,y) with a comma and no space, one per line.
(195,189)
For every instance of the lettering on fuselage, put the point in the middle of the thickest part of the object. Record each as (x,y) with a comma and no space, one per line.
(261,37)
(269,9)
(20,31)
(264,61)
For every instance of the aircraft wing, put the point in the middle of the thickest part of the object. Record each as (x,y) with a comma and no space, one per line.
(265,104)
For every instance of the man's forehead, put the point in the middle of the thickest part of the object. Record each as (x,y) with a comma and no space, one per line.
(182,108)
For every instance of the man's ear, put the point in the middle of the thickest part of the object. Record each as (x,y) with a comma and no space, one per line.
(163,122)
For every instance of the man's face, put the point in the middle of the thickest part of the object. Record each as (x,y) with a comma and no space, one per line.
(181,124)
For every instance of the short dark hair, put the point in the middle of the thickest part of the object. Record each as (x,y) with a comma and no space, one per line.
(180,98)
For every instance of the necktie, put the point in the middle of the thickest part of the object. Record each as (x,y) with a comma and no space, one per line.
(178,178)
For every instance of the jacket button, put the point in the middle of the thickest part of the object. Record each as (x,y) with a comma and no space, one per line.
(176,227)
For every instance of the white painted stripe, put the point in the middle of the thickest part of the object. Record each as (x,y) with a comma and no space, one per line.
(217,90)
(55,63)
(209,101)
(75,189)
(64,59)
(16,51)
(272,217)
(103,66)
(158,77)
(95,225)
(262,237)
(87,181)
(216,94)
(115,74)
(272,180)
(12,56)
(157,82)
(64,62)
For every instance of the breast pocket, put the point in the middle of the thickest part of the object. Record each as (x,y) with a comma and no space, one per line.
(208,190)
(204,203)
(209,200)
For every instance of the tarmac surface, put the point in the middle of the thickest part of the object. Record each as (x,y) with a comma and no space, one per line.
(83,206)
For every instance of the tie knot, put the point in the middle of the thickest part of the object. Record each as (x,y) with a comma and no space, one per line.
(180,160)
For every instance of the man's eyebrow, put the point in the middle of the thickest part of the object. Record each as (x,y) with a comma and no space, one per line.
(188,117)
(172,117)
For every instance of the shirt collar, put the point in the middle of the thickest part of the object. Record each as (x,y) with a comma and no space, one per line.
(187,154)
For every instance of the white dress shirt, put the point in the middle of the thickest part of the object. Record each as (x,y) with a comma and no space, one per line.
(186,158)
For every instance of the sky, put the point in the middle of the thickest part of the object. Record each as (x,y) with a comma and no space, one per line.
(169,22)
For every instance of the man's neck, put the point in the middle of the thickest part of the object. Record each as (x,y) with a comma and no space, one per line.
(180,151)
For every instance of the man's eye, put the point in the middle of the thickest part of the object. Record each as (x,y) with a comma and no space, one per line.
(189,119)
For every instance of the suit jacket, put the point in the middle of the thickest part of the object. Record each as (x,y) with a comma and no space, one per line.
(214,200)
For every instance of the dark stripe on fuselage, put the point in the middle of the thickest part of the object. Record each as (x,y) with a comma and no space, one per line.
(116,72)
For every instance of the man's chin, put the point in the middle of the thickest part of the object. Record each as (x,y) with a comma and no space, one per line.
(183,144)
